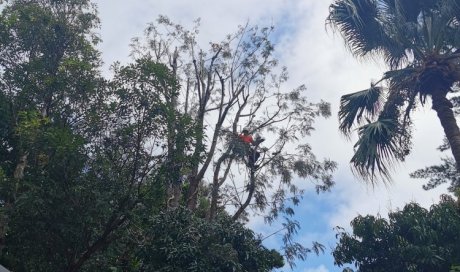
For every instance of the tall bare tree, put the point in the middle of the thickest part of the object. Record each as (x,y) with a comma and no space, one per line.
(234,84)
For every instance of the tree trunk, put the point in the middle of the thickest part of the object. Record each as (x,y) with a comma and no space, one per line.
(443,108)
(173,165)
(174,195)
(175,145)
(217,182)
(215,189)
(251,189)
(194,180)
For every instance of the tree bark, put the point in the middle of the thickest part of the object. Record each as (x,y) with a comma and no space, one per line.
(443,108)
(194,180)
(102,241)
(251,189)
(175,146)
(217,182)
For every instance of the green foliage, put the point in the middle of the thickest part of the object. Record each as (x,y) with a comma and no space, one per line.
(55,200)
(413,239)
(89,166)
(180,241)
(440,174)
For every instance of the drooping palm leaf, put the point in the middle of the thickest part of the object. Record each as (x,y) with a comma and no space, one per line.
(455,8)
(451,9)
(402,82)
(358,22)
(402,29)
(369,26)
(377,150)
(439,29)
(356,106)
(409,9)
(402,78)
(395,54)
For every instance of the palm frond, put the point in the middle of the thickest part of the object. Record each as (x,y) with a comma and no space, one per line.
(409,9)
(411,105)
(454,34)
(401,31)
(402,87)
(450,26)
(399,104)
(443,28)
(395,54)
(378,149)
(359,23)
(355,106)
(401,79)
(455,8)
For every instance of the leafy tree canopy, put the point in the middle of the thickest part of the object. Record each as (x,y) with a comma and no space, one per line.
(109,174)
(411,239)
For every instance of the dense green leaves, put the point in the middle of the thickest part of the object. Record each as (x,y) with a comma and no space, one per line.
(179,241)
(47,57)
(412,239)
(94,172)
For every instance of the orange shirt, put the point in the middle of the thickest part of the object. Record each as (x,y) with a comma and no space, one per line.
(246,138)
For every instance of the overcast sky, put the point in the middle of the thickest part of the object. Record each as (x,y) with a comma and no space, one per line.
(315,56)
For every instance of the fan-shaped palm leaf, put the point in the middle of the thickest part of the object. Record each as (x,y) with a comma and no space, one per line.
(355,106)
(406,76)
(358,22)
(403,83)
(455,8)
(376,150)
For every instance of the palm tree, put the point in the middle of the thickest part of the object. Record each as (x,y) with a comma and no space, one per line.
(420,42)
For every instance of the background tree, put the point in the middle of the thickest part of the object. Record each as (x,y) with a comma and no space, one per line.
(77,162)
(412,239)
(446,172)
(48,73)
(439,174)
(419,42)
(178,240)
(91,169)
(235,84)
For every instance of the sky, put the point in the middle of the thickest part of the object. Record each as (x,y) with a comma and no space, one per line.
(315,56)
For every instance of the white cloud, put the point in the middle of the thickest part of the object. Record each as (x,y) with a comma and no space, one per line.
(319,59)
(320,268)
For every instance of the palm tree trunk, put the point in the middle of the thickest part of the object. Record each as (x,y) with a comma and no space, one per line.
(443,108)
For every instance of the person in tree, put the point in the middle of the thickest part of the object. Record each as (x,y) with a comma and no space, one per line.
(251,146)
(246,137)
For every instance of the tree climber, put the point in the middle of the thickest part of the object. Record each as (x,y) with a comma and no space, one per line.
(251,147)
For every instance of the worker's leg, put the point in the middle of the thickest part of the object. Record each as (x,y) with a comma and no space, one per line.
(251,157)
